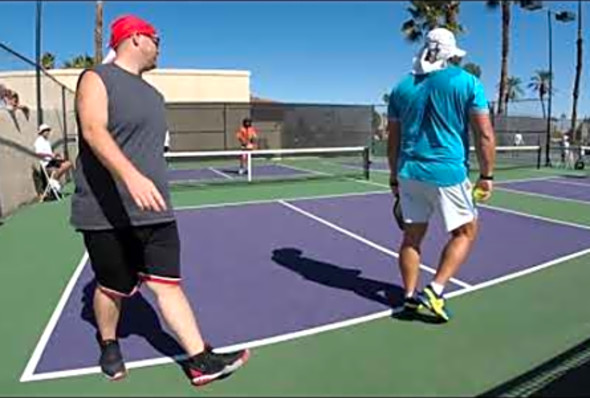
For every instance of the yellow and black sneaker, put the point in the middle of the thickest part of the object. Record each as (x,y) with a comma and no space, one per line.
(435,303)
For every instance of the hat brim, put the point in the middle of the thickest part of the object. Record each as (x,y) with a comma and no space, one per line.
(457,52)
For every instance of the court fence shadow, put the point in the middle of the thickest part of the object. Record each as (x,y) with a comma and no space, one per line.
(565,375)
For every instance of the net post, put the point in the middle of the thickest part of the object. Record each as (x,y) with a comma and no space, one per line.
(539,152)
(366,163)
(249,162)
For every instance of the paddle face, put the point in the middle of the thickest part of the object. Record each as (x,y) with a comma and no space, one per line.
(397,213)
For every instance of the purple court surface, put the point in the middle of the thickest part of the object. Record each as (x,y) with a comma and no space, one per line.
(574,188)
(255,271)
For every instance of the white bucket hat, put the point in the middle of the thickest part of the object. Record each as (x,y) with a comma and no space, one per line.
(440,46)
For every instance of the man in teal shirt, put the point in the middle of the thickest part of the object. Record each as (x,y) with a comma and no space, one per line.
(428,151)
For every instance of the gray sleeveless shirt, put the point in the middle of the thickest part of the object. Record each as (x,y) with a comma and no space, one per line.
(137,123)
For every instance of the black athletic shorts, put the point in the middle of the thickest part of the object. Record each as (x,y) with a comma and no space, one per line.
(122,258)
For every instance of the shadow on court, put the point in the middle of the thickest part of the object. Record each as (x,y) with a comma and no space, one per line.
(138,317)
(338,277)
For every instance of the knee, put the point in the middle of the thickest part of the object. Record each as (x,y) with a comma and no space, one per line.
(412,239)
(466,231)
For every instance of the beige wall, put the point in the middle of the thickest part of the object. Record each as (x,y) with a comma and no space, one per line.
(176,85)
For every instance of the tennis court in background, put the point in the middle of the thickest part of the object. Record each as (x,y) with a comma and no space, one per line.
(301,265)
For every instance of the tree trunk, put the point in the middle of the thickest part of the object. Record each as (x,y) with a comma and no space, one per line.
(505,48)
(542,105)
(98,33)
(578,74)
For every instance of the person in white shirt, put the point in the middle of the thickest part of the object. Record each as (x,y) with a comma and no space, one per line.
(53,162)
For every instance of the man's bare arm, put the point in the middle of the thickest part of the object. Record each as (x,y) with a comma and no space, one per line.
(393,141)
(485,142)
(92,107)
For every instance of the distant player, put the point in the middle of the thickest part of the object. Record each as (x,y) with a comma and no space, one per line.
(247,137)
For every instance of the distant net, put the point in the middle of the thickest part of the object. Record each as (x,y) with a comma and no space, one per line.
(234,167)
(511,157)
(507,158)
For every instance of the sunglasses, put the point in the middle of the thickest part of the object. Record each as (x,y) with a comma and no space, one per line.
(154,39)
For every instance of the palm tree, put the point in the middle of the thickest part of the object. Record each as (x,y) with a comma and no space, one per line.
(427,15)
(540,84)
(513,91)
(578,71)
(80,62)
(98,32)
(472,68)
(48,61)
(506,14)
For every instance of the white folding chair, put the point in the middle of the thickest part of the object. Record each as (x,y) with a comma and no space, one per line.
(51,185)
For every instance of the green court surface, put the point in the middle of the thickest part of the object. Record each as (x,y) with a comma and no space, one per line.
(498,333)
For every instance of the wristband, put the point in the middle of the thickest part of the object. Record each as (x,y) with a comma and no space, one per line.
(488,178)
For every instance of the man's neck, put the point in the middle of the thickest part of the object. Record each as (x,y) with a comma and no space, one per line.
(127,65)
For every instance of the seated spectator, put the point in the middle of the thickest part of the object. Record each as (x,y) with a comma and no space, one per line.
(54,163)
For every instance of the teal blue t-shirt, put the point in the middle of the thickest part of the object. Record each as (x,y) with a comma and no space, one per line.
(433,111)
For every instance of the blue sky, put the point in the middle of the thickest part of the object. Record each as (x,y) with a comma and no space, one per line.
(327,52)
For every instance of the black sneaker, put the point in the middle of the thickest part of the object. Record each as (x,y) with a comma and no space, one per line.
(204,368)
(232,360)
(111,361)
(208,366)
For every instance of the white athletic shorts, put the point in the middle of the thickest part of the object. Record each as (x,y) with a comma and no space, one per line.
(419,199)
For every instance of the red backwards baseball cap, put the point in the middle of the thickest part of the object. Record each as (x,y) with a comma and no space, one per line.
(126,26)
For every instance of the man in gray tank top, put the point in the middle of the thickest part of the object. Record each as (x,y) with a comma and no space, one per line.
(122,205)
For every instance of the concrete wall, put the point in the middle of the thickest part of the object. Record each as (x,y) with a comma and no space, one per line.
(176,85)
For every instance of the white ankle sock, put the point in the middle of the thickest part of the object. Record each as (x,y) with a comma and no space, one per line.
(410,294)
(438,288)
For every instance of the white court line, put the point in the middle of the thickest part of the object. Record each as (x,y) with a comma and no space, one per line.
(221,173)
(542,195)
(547,219)
(311,331)
(565,182)
(518,274)
(508,180)
(263,201)
(304,169)
(519,213)
(361,239)
(40,347)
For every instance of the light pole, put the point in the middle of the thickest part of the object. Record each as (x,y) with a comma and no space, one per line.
(562,16)
(38,62)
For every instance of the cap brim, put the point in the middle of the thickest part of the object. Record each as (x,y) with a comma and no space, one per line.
(457,52)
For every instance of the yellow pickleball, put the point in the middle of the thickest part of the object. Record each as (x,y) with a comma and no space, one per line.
(479,194)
